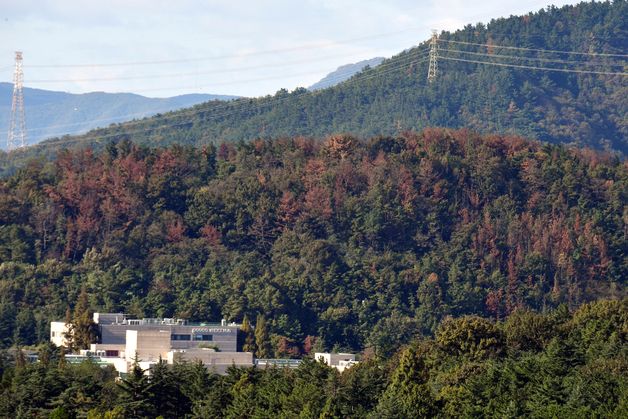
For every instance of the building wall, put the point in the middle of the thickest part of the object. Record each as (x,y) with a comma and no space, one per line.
(108,318)
(225,338)
(340,361)
(57,333)
(147,345)
(219,362)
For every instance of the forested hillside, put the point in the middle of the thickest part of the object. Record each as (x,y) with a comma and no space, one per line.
(340,243)
(554,106)
(561,364)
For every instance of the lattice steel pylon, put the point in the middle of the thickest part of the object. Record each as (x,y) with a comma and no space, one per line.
(17,126)
(432,71)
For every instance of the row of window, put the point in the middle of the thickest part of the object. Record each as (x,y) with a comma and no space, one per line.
(204,338)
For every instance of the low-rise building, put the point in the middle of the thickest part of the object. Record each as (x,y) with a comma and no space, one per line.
(122,341)
(340,361)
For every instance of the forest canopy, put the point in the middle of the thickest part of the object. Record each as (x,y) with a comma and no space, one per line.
(348,243)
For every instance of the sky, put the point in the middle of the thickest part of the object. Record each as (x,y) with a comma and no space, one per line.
(162,48)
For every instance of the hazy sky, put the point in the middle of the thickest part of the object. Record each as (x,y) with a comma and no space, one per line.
(246,47)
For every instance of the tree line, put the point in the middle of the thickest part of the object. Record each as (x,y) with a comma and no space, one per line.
(559,364)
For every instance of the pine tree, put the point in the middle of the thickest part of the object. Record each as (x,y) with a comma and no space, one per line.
(249,338)
(136,392)
(408,394)
(82,331)
(166,396)
(262,339)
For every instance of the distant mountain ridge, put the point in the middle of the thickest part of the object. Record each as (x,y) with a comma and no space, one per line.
(52,113)
(344,73)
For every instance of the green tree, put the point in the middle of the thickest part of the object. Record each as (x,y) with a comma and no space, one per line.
(262,338)
(82,331)
(469,336)
(167,397)
(408,395)
(137,392)
(249,336)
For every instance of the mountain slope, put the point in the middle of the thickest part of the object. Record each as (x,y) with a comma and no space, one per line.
(554,106)
(358,243)
(344,72)
(50,113)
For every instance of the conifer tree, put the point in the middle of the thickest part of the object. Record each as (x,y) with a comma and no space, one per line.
(408,395)
(249,338)
(136,392)
(262,339)
(82,331)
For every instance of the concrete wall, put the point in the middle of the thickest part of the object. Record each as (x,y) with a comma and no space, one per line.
(225,338)
(108,318)
(333,359)
(95,347)
(57,331)
(216,361)
(148,345)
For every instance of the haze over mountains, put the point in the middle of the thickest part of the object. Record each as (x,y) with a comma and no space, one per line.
(50,113)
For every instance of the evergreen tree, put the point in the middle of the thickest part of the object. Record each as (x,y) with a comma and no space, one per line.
(243,392)
(408,395)
(249,336)
(82,331)
(137,393)
(166,396)
(25,328)
(262,338)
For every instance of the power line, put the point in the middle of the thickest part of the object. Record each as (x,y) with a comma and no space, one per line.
(236,106)
(549,60)
(565,70)
(221,57)
(535,49)
(199,73)
(94,139)
(382,68)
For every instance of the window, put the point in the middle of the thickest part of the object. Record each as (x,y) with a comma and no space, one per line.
(205,338)
(179,337)
(52,334)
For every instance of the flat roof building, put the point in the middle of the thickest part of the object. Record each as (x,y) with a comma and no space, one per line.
(121,340)
(181,333)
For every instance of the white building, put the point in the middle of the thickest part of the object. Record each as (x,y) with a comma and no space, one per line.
(340,361)
(123,340)
(57,333)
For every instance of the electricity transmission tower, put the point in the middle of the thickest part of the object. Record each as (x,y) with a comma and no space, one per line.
(432,72)
(17,126)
